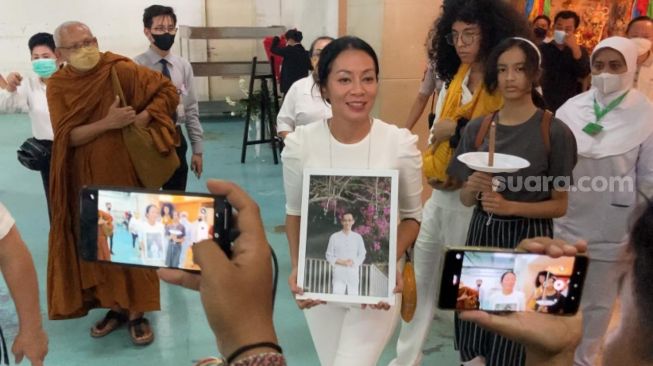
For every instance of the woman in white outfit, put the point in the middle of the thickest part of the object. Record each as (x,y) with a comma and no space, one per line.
(614,132)
(303,103)
(348,79)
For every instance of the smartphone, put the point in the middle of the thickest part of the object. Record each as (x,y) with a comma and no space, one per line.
(150,228)
(497,280)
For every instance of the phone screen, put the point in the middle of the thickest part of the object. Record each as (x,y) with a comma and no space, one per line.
(506,281)
(154,229)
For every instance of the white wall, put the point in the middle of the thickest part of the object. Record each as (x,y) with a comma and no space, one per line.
(313,18)
(117,24)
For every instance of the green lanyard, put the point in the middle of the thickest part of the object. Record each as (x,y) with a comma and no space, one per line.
(593,128)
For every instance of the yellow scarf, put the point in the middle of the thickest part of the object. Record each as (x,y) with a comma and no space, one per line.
(436,157)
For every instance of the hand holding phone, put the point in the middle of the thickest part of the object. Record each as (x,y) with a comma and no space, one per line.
(548,280)
(544,336)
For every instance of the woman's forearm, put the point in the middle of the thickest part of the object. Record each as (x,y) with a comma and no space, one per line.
(406,235)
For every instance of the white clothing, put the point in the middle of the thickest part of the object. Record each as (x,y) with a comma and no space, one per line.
(644,77)
(202,231)
(346,335)
(465,98)
(30,98)
(345,246)
(445,223)
(303,104)
(386,147)
(152,238)
(6,221)
(601,216)
(515,301)
(134,225)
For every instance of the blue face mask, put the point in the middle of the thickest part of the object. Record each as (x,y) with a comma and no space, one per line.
(44,67)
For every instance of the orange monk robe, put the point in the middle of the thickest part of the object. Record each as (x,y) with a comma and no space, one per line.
(76,286)
(104,230)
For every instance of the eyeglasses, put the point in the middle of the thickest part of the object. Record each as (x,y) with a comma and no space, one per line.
(466,37)
(85,43)
(162,29)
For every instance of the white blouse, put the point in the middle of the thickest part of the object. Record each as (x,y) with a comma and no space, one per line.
(30,98)
(302,105)
(6,221)
(385,147)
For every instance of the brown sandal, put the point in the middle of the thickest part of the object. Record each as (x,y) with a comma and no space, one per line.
(140,331)
(111,321)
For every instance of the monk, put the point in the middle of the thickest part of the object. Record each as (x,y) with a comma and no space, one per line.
(87,118)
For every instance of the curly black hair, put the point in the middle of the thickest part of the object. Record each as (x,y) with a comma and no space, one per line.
(497,19)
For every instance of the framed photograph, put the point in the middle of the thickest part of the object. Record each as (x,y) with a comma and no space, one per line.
(348,236)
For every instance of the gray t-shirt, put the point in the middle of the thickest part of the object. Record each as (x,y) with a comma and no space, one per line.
(546,172)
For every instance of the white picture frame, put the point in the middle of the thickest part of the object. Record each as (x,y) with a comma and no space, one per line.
(377,273)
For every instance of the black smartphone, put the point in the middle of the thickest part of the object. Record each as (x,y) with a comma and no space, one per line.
(149,227)
(497,280)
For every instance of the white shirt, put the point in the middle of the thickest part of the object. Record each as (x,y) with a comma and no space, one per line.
(30,98)
(181,75)
(442,96)
(515,301)
(346,246)
(385,147)
(6,221)
(644,77)
(302,105)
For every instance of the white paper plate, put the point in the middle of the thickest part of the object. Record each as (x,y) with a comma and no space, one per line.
(545,302)
(503,163)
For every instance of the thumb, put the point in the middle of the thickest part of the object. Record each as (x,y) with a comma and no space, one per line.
(208,255)
(18,354)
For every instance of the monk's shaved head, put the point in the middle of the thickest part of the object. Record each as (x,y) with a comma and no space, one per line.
(63,31)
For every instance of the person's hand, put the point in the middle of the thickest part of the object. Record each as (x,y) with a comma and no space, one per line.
(237,292)
(296,290)
(31,344)
(119,117)
(382,305)
(349,262)
(196,164)
(283,134)
(494,203)
(479,182)
(442,131)
(570,41)
(14,80)
(3,82)
(545,336)
(142,119)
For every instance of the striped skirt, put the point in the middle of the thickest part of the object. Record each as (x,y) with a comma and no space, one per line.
(502,232)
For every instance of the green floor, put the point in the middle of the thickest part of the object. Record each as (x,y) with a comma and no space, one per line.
(181,331)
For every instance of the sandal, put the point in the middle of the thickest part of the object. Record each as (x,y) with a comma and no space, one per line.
(141,332)
(111,321)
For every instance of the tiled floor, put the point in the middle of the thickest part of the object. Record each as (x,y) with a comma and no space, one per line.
(181,331)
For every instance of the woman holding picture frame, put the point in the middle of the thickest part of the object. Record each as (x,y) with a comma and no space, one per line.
(347,75)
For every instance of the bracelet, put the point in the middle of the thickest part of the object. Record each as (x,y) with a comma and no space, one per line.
(248,347)
(261,359)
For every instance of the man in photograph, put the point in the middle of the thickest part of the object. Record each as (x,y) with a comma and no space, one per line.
(346,252)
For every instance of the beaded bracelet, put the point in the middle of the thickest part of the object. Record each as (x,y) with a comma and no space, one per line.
(262,359)
(248,347)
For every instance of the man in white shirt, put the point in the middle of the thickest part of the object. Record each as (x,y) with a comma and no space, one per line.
(160,24)
(19,274)
(346,252)
(640,30)
(508,299)
(18,95)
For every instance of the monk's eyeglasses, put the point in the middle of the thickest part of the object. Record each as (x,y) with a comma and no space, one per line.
(85,43)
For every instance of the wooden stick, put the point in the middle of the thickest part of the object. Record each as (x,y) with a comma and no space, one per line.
(492,144)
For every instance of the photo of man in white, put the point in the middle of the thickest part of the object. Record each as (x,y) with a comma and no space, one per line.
(346,252)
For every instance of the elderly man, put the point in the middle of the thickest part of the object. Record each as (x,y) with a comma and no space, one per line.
(89,148)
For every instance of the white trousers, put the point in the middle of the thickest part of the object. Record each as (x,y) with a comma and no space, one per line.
(599,294)
(345,280)
(445,221)
(346,335)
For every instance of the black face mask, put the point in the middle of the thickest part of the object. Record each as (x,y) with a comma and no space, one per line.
(164,41)
(540,32)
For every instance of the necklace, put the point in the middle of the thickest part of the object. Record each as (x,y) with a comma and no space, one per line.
(369,142)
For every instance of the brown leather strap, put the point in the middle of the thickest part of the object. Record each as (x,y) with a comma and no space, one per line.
(545,126)
(482,131)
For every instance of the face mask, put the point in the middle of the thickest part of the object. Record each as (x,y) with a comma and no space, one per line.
(643,45)
(559,36)
(608,83)
(539,32)
(44,67)
(85,58)
(163,41)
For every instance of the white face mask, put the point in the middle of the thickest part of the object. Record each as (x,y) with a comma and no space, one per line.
(608,83)
(643,45)
(559,36)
